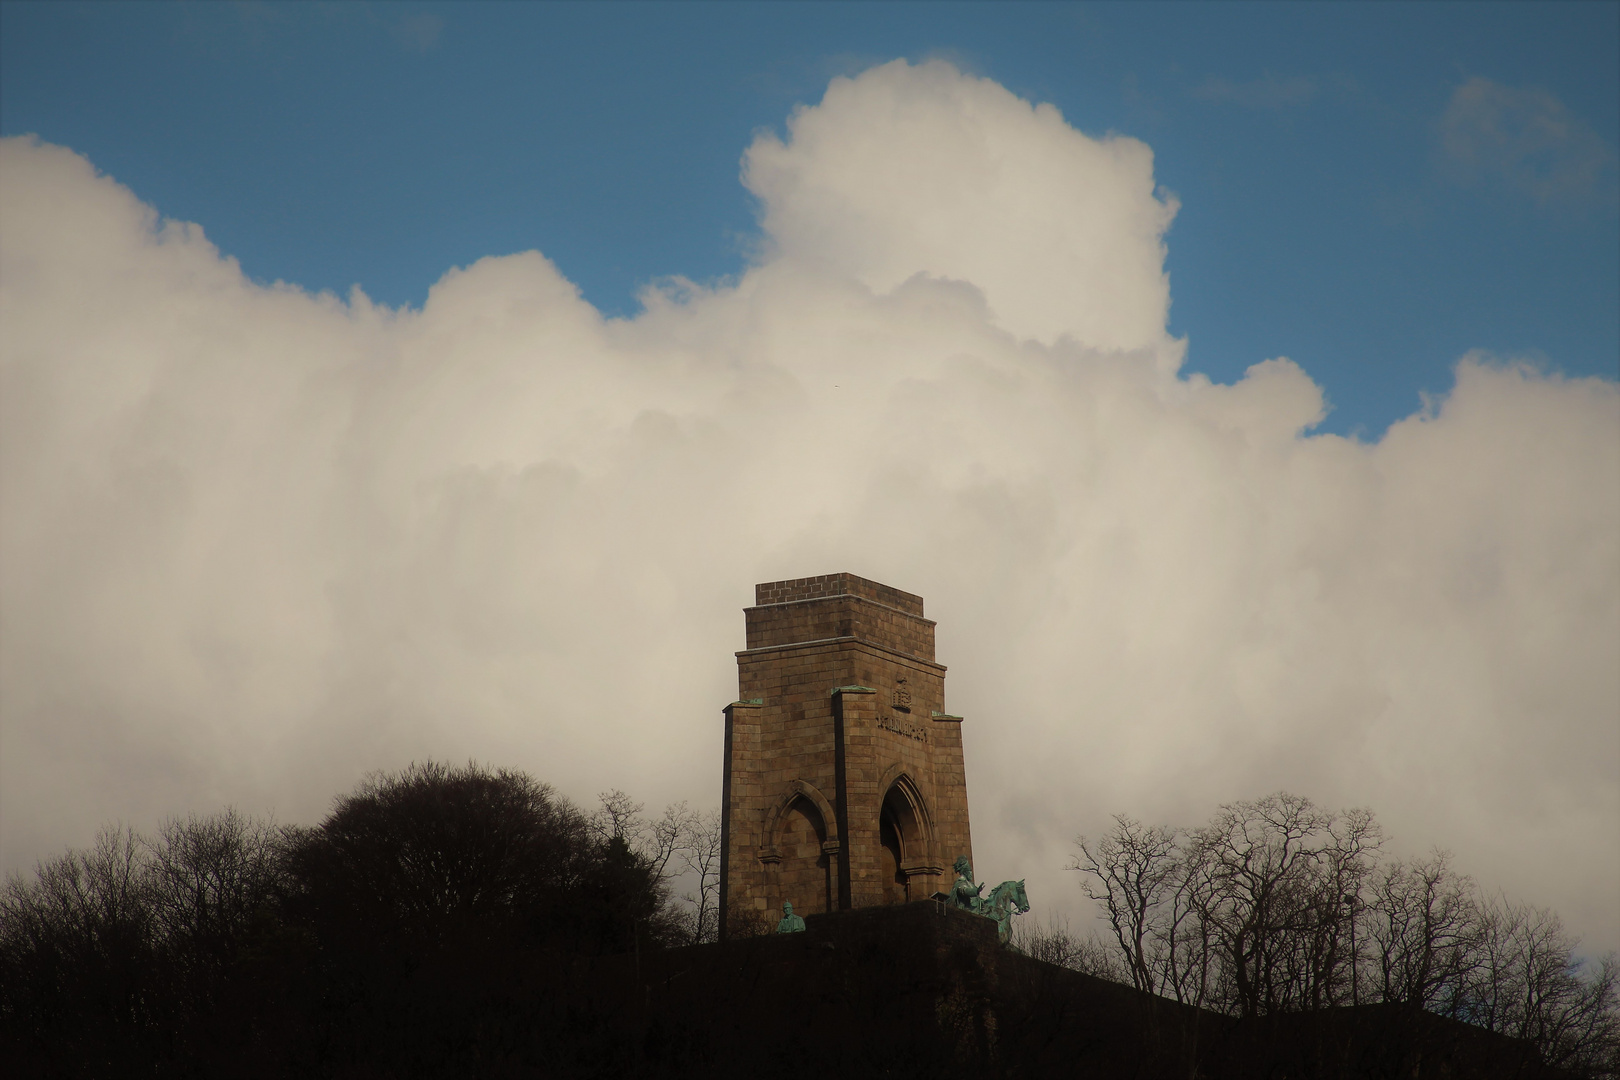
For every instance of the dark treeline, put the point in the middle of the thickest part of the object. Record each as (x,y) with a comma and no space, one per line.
(446,922)
(1278,906)
(430,926)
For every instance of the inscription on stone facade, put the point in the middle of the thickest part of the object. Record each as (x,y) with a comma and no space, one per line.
(903,724)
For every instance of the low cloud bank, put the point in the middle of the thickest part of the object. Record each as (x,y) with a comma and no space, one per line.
(255,542)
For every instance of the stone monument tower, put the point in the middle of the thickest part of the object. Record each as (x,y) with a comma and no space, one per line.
(844,784)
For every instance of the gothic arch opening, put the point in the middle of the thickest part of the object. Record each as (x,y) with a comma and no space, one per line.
(903,842)
(804,876)
(893,856)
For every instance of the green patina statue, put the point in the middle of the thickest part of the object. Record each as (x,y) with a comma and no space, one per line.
(1003,902)
(964,893)
(791,923)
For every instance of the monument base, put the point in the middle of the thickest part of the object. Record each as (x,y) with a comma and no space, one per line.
(924,990)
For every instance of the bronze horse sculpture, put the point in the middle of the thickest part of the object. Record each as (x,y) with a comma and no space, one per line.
(1004,900)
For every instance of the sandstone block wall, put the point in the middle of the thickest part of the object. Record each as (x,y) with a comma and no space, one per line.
(844,785)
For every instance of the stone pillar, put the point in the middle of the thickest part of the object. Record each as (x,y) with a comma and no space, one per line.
(853,712)
(739,881)
(833,849)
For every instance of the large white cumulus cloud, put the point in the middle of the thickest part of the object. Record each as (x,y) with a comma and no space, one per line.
(255,542)
(910,170)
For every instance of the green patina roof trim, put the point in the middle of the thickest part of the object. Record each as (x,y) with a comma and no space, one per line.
(851,690)
(945,716)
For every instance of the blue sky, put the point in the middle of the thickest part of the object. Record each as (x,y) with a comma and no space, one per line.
(1322,217)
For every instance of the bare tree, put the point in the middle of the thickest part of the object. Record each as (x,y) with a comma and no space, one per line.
(1130,871)
(1265,902)
(1189,949)
(209,876)
(77,951)
(669,836)
(617,815)
(656,842)
(1421,925)
(1156,886)
(1525,981)
(1328,948)
(1585,1037)
(1253,913)
(1054,943)
(680,843)
(700,855)
(1278,905)
(96,902)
